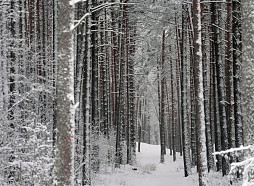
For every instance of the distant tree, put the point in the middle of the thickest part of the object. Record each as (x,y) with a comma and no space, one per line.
(162,93)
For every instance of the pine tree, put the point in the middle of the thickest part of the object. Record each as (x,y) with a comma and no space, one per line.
(185,85)
(200,113)
(64,123)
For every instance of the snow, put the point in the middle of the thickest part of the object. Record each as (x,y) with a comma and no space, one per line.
(152,173)
(149,171)
(73,2)
(80,21)
(241,148)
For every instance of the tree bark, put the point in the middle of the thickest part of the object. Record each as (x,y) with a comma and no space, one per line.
(200,112)
(184,96)
(64,144)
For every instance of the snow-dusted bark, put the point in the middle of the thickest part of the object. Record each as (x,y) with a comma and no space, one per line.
(185,88)
(94,88)
(173,105)
(132,114)
(237,62)
(229,78)
(64,112)
(220,72)
(206,20)
(200,112)
(86,172)
(162,101)
(192,93)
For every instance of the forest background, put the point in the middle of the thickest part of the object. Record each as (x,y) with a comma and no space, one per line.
(83,81)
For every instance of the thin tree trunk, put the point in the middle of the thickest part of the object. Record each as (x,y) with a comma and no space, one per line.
(162,112)
(174,109)
(184,97)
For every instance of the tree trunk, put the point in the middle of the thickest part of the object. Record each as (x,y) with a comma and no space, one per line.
(162,112)
(184,96)
(220,68)
(200,112)
(237,62)
(64,144)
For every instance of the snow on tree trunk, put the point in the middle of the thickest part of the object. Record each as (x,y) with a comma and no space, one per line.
(94,90)
(173,105)
(64,111)
(220,70)
(237,60)
(229,78)
(162,105)
(200,113)
(185,85)
(206,79)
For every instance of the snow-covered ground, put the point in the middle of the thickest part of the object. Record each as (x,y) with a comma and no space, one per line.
(152,173)
(149,171)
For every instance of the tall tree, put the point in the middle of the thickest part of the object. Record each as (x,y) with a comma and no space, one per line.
(162,100)
(237,59)
(200,112)
(206,78)
(94,87)
(230,77)
(220,71)
(64,111)
(185,85)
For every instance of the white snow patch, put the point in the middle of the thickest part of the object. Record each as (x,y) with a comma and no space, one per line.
(149,171)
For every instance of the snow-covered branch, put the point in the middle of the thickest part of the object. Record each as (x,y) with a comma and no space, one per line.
(80,21)
(248,165)
(242,163)
(104,5)
(234,150)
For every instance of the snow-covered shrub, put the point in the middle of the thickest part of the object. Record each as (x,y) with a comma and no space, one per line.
(106,152)
(148,168)
(248,170)
(245,167)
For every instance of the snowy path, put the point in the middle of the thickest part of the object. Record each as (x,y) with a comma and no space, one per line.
(149,171)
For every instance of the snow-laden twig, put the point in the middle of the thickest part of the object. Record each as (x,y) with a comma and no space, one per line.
(104,5)
(76,106)
(234,150)
(248,164)
(242,163)
(80,21)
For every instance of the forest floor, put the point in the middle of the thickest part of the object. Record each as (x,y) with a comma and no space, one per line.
(152,173)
